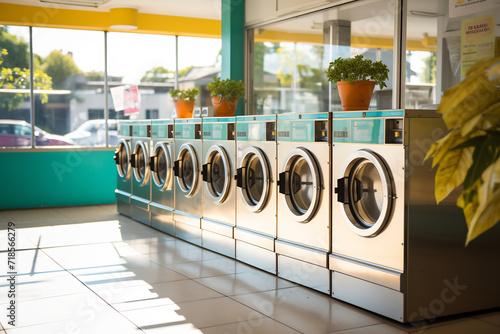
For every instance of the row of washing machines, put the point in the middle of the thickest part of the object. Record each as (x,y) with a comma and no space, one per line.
(342,203)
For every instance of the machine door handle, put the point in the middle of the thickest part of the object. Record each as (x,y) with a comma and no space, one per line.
(133,160)
(240,177)
(177,168)
(116,157)
(206,172)
(342,190)
(152,163)
(284,183)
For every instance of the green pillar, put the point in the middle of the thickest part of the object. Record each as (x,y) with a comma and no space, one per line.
(233,43)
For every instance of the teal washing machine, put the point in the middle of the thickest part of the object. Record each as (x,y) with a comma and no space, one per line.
(219,186)
(141,175)
(304,214)
(188,183)
(256,175)
(162,175)
(123,169)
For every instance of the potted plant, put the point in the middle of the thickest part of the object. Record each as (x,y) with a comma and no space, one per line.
(225,94)
(469,155)
(184,101)
(356,78)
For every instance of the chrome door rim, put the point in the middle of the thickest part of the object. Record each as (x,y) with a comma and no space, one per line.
(352,220)
(125,175)
(261,204)
(143,147)
(189,192)
(165,147)
(212,151)
(290,160)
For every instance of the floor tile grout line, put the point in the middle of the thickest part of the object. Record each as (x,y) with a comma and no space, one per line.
(95,294)
(487,322)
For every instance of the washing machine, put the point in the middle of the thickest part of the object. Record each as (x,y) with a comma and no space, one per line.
(219,186)
(304,215)
(123,168)
(394,250)
(139,161)
(256,176)
(161,164)
(188,182)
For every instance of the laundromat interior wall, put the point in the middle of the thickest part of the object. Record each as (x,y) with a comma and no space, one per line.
(51,178)
(56,178)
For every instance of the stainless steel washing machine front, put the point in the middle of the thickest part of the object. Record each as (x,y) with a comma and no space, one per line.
(123,169)
(162,175)
(219,188)
(139,160)
(256,175)
(188,183)
(304,215)
(394,250)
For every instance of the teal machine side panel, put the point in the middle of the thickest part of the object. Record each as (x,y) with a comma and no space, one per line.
(51,179)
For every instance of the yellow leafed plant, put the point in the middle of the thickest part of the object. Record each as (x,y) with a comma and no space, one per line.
(469,156)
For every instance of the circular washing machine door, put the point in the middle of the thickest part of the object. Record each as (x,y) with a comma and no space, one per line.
(161,166)
(253,179)
(140,163)
(300,183)
(186,170)
(366,190)
(122,159)
(217,174)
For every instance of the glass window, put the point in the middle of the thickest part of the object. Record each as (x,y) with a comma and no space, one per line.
(199,63)
(72,59)
(435,55)
(15,102)
(147,61)
(290,57)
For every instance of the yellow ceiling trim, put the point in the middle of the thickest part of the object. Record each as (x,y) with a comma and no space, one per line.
(53,17)
(356,41)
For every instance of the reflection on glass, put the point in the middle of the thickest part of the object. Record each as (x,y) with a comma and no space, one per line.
(73,61)
(141,163)
(187,170)
(217,175)
(123,162)
(434,58)
(199,63)
(367,193)
(147,61)
(161,166)
(290,57)
(15,102)
(301,185)
(255,180)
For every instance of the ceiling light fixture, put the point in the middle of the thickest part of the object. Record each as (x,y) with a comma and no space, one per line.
(123,18)
(82,3)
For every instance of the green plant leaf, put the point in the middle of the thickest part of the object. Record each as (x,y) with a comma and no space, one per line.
(484,155)
(440,148)
(488,119)
(487,215)
(452,171)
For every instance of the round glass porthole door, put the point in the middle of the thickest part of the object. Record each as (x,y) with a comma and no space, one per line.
(161,166)
(122,160)
(186,170)
(217,174)
(140,163)
(300,183)
(366,191)
(253,179)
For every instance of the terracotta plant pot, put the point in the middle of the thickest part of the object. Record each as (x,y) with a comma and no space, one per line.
(184,109)
(356,96)
(223,107)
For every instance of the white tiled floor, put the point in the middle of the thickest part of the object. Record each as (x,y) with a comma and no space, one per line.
(91,270)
